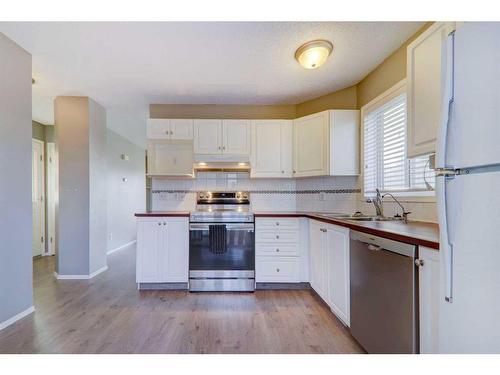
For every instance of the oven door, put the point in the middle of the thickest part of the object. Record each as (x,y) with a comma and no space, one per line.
(211,258)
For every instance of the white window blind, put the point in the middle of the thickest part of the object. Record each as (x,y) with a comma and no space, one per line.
(386,165)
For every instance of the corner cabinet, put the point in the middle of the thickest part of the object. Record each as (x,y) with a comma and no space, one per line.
(326,144)
(425,83)
(429,284)
(162,250)
(329,262)
(271,154)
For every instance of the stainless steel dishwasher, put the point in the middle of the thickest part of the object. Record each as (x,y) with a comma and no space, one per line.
(384,316)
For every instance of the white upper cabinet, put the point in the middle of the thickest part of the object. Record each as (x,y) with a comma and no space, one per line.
(424,84)
(208,137)
(181,129)
(311,145)
(222,137)
(166,158)
(271,154)
(326,143)
(236,137)
(172,129)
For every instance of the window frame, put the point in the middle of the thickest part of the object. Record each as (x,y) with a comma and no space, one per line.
(388,95)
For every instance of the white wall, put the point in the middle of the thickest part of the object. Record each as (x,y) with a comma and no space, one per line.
(124,198)
(16,279)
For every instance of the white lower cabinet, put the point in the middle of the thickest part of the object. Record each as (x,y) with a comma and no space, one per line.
(278,250)
(329,272)
(162,250)
(428,274)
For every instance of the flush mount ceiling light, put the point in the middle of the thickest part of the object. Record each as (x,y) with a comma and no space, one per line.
(313,54)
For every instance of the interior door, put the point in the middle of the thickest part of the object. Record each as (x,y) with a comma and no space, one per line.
(208,137)
(37,197)
(236,137)
(52,186)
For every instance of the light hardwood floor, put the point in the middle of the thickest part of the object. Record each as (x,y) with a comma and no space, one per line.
(109,315)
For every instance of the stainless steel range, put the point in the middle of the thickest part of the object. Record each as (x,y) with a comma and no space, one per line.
(222,243)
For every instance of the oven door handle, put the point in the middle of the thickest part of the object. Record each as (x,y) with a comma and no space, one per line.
(236,226)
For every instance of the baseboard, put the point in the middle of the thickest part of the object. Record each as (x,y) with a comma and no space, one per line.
(80,277)
(17,317)
(282,286)
(121,247)
(162,286)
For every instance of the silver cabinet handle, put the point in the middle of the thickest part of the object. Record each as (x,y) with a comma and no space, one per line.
(282,171)
(171,132)
(167,132)
(277,223)
(159,223)
(419,262)
(277,250)
(223,147)
(277,270)
(277,237)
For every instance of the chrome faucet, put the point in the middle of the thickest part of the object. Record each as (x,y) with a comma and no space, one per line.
(404,213)
(377,202)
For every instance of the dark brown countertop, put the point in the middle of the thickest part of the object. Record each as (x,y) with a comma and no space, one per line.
(163,214)
(414,232)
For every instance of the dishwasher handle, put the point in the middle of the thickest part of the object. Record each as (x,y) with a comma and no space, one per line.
(375,243)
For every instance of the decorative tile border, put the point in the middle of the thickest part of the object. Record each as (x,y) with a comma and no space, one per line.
(314,191)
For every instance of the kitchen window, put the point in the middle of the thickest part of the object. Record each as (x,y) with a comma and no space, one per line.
(386,165)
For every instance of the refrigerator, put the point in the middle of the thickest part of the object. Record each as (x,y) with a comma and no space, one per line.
(468,191)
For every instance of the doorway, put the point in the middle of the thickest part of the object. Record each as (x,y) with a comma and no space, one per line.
(38,197)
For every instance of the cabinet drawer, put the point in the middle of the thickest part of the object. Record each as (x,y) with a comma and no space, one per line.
(277,223)
(277,250)
(279,236)
(277,269)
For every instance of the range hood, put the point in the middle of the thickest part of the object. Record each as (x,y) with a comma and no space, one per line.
(221,166)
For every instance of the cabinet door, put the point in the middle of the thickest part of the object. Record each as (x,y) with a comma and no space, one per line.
(170,159)
(428,275)
(181,129)
(424,85)
(177,251)
(269,157)
(158,129)
(149,248)
(344,142)
(317,258)
(338,272)
(208,137)
(236,137)
(286,143)
(310,146)
(266,151)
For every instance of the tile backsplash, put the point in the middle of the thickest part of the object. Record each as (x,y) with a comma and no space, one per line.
(317,194)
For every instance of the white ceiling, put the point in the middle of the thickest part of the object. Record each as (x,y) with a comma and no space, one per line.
(130,65)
